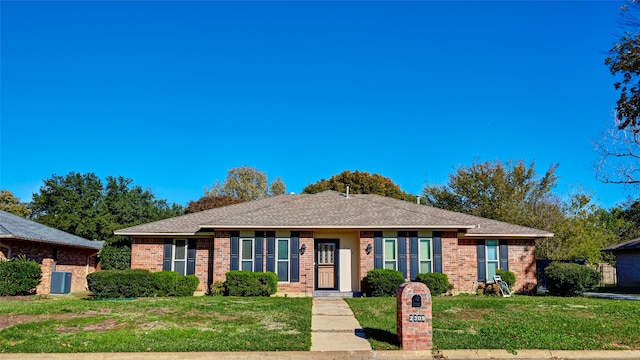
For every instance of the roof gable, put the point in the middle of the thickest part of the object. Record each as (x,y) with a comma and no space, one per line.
(15,227)
(330,209)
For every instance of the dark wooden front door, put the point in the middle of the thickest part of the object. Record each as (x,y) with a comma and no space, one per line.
(326,256)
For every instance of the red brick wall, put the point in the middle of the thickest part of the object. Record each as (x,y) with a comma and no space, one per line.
(78,261)
(221,255)
(522,262)
(366,260)
(147,253)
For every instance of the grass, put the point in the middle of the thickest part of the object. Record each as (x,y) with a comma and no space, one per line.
(521,322)
(67,324)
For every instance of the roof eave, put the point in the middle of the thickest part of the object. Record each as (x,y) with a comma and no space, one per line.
(57,243)
(365,227)
(475,235)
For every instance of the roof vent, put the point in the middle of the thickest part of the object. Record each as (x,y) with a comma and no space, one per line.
(418,199)
(347,191)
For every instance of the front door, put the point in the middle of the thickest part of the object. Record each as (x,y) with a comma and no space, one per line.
(326,256)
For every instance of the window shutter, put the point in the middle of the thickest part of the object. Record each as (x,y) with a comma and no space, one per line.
(402,253)
(294,257)
(414,262)
(504,255)
(437,251)
(377,250)
(168,255)
(482,270)
(258,247)
(191,257)
(235,250)
(271,251)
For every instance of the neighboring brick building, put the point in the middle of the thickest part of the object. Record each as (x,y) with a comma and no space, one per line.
(627,263)
(328,241)
(53,249)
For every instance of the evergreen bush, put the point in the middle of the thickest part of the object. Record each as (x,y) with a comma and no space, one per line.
(570,279)
(19,276)
(140,283)
(436,282)
(507,276)
(383,282)
(247,283)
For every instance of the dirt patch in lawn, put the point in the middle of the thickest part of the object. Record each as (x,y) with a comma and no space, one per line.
(100,326)
(11,320)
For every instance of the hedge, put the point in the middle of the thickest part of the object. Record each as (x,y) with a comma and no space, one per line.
(19,276)
(569,279)
(140,283)
(247,283)
(383,282)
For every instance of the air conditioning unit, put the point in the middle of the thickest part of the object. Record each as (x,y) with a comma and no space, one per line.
(60,282)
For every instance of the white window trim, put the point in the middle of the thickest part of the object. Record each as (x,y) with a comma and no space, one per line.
(420,254)
(384,252)
(288,260)
(173,255)
(487,261)
(253,249)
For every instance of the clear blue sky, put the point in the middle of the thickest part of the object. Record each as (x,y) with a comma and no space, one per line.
(173,94)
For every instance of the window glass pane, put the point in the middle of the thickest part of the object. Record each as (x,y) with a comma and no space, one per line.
(492,266)
(492,250)
(390,265)
(180,249)
(283,249)
(389,249)
(247,265)
(247,251)
(283,271)
(425,249)
(425,267)
(178,266)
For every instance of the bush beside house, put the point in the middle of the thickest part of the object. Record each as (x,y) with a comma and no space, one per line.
(140,283)
(247,283)
(568,279)
(19,276)
(437,283)
(383,282)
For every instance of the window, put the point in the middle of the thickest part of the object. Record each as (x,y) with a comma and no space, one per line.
(424,256)
(282,261)
(179,261)
(390,254)
(246,254)
(491,248)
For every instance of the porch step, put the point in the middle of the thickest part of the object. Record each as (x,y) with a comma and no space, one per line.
(330,293)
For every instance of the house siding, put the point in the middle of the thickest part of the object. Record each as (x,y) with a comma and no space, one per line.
(628,268)
(78,261)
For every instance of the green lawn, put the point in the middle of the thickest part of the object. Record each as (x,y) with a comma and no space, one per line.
(67,324)
(520,322)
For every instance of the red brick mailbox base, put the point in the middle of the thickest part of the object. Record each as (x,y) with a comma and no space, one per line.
(414,316)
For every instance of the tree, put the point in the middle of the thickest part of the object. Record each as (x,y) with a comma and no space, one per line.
(247,183)
(81,205)
(509,192)
(624,60)
(210,202)
(359,182)
(10,203)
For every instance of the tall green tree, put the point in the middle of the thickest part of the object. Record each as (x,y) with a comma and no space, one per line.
(247,183)
(510,192)
(81,204)
(10,203)
(210,202)
(359,182)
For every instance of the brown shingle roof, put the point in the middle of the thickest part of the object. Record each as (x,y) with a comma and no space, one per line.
(330,209)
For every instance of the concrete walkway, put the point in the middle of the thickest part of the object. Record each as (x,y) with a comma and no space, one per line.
(334,328)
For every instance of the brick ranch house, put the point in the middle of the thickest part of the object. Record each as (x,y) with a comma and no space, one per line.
(53,249)
(328,241)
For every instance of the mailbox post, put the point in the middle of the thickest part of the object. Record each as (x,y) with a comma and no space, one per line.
(414,316)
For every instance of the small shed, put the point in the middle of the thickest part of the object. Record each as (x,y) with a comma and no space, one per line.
(627,262)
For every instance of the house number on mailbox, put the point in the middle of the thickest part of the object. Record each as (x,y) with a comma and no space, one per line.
(417,318)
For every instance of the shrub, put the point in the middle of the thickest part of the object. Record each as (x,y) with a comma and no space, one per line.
(19,276)
(217,288)
(383,282)
(569,279)
(115,257)
(140,283)
(507,276)
(186,285)
(491,289)
(247,283)
(436,282)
